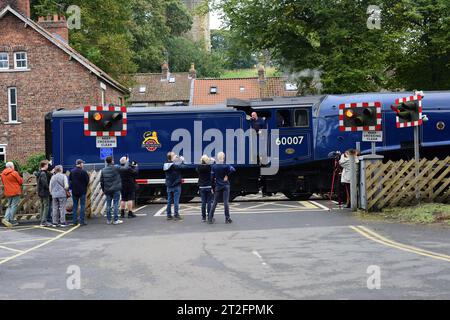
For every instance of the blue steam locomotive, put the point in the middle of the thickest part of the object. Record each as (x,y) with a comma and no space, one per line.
(290,157)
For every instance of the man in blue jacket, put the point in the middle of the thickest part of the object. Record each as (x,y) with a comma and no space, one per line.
(221,173)
(172,169)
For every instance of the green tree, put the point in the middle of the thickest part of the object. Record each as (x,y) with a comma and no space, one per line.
(333,36)
(104,38)
(182,52)
(234,54)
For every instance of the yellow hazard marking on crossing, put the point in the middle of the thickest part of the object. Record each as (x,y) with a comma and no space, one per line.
(10,249)
(308,205)
(50,229)
(369,234)
(39,246)
(24,241)
(17,229)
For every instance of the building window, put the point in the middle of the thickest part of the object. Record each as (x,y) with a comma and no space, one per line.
(4,61)
(20,60)
(12,105)
(213,90)
(2,153)
(142,89)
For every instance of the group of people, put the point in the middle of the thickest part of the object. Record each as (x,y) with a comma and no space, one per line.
(54,188)
(213,183)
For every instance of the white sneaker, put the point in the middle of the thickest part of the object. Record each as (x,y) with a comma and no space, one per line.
(108,222)
(118,222)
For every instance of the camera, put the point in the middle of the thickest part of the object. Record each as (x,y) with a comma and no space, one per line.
(335,155)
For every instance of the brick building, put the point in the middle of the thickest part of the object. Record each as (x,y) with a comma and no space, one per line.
(40,72)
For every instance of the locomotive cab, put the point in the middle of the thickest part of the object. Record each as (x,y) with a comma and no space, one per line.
(290,128)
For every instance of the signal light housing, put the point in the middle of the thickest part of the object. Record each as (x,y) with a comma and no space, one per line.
(105,121)
(364,116)
(409,111)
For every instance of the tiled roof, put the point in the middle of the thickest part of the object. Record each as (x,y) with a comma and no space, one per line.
(238,88)
(276,87)
(159,89)
(66,48)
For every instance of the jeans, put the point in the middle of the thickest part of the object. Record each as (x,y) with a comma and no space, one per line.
(82,200)
(12,203)
(59,210)
(45,203)
(206,195)
(225,192)
(115,197)
(50,210)
(173,195)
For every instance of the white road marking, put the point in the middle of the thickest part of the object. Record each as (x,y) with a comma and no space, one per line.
(139,209)
(320,206)
(160,212)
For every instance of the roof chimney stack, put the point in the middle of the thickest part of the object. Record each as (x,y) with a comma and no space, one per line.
(56,25)
(192,72)
(261,73)
(165,71)
(22,6)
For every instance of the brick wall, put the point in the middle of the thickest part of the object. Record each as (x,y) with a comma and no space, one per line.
(54,81)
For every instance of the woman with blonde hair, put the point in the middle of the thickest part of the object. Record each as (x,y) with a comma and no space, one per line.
(205,184)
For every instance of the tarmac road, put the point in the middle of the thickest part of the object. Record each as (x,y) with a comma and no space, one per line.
(274,250)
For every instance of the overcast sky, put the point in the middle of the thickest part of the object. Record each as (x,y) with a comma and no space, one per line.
(215,22)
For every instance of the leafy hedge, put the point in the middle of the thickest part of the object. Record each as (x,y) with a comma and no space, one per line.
(31,164)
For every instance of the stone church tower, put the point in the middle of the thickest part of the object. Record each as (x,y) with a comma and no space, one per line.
(200,28)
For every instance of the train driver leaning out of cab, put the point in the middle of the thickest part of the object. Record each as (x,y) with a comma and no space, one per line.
(258,123)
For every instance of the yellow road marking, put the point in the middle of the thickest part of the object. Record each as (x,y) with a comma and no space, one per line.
(50,229)
(17,229)
(10,249)
(401,244)
(24,241)
(39,246)
(308,205)
(384,241)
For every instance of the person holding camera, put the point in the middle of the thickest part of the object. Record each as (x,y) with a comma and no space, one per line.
(344,162)
(172,169)
(128,175)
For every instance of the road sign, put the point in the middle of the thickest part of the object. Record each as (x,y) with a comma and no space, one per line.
(106,152)
(106,142)
(372,136)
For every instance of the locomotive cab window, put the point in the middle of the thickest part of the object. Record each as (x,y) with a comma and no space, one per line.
(301,117)
(283,118)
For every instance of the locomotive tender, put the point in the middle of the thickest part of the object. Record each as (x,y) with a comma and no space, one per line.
(303,129)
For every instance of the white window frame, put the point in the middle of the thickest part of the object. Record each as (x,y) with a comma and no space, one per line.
(10,105)
(17,60)
(4,151)
(7,61)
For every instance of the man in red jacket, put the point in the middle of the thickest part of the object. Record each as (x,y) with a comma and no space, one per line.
(12,183)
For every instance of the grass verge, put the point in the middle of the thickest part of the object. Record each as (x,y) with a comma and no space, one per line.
(422,214)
